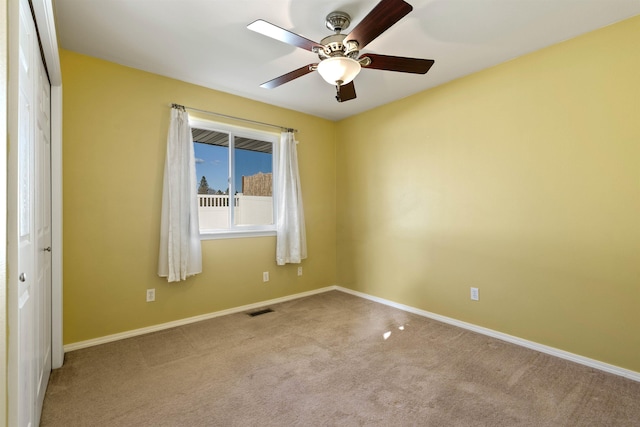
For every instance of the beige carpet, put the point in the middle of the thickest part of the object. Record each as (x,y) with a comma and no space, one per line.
(324,360)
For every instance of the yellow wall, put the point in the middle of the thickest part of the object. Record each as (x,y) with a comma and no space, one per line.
(115,129)
(522,180)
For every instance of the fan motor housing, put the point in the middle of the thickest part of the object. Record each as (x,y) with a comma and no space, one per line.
(334,46)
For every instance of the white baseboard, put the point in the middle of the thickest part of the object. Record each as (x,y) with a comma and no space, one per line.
(592,363)
(162,326)
(596,364)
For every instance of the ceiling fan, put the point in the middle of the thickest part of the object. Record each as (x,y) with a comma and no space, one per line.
(338,53)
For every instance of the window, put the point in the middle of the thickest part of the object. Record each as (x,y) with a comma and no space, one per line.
(234,173)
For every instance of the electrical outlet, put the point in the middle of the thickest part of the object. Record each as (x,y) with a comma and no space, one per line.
(265,276)
(299,271)
(475,296)
(151,295)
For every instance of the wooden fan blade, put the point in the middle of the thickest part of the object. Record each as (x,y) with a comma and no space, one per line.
(398,63)
(285,78)
(346,92)
(275,32)
(381,17)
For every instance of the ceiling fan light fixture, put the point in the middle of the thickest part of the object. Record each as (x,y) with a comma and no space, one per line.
(339,70)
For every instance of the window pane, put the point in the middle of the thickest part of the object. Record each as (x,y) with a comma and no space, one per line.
(234,170)
(253,181)
(212,172)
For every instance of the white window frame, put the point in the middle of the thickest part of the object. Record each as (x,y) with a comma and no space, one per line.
(238,231)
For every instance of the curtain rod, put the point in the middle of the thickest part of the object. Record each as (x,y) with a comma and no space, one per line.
(283,128)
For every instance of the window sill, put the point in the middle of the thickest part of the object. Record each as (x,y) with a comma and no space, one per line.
(235,234)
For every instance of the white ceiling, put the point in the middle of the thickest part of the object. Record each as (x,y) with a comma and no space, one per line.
(206,42)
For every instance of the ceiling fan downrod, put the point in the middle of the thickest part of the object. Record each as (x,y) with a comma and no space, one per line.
(334,45)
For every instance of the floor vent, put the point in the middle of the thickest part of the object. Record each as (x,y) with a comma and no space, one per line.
(259,312)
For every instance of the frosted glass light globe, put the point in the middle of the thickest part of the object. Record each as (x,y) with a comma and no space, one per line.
(339,69)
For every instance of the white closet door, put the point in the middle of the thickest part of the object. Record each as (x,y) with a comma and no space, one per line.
(33,227)
(43,233)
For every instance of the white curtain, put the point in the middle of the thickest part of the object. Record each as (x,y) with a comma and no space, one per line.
(180,250)
(291,240)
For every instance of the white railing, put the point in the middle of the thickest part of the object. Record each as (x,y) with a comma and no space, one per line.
(215,200)
(213,210)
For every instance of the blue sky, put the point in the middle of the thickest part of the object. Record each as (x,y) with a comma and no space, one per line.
(212,162)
